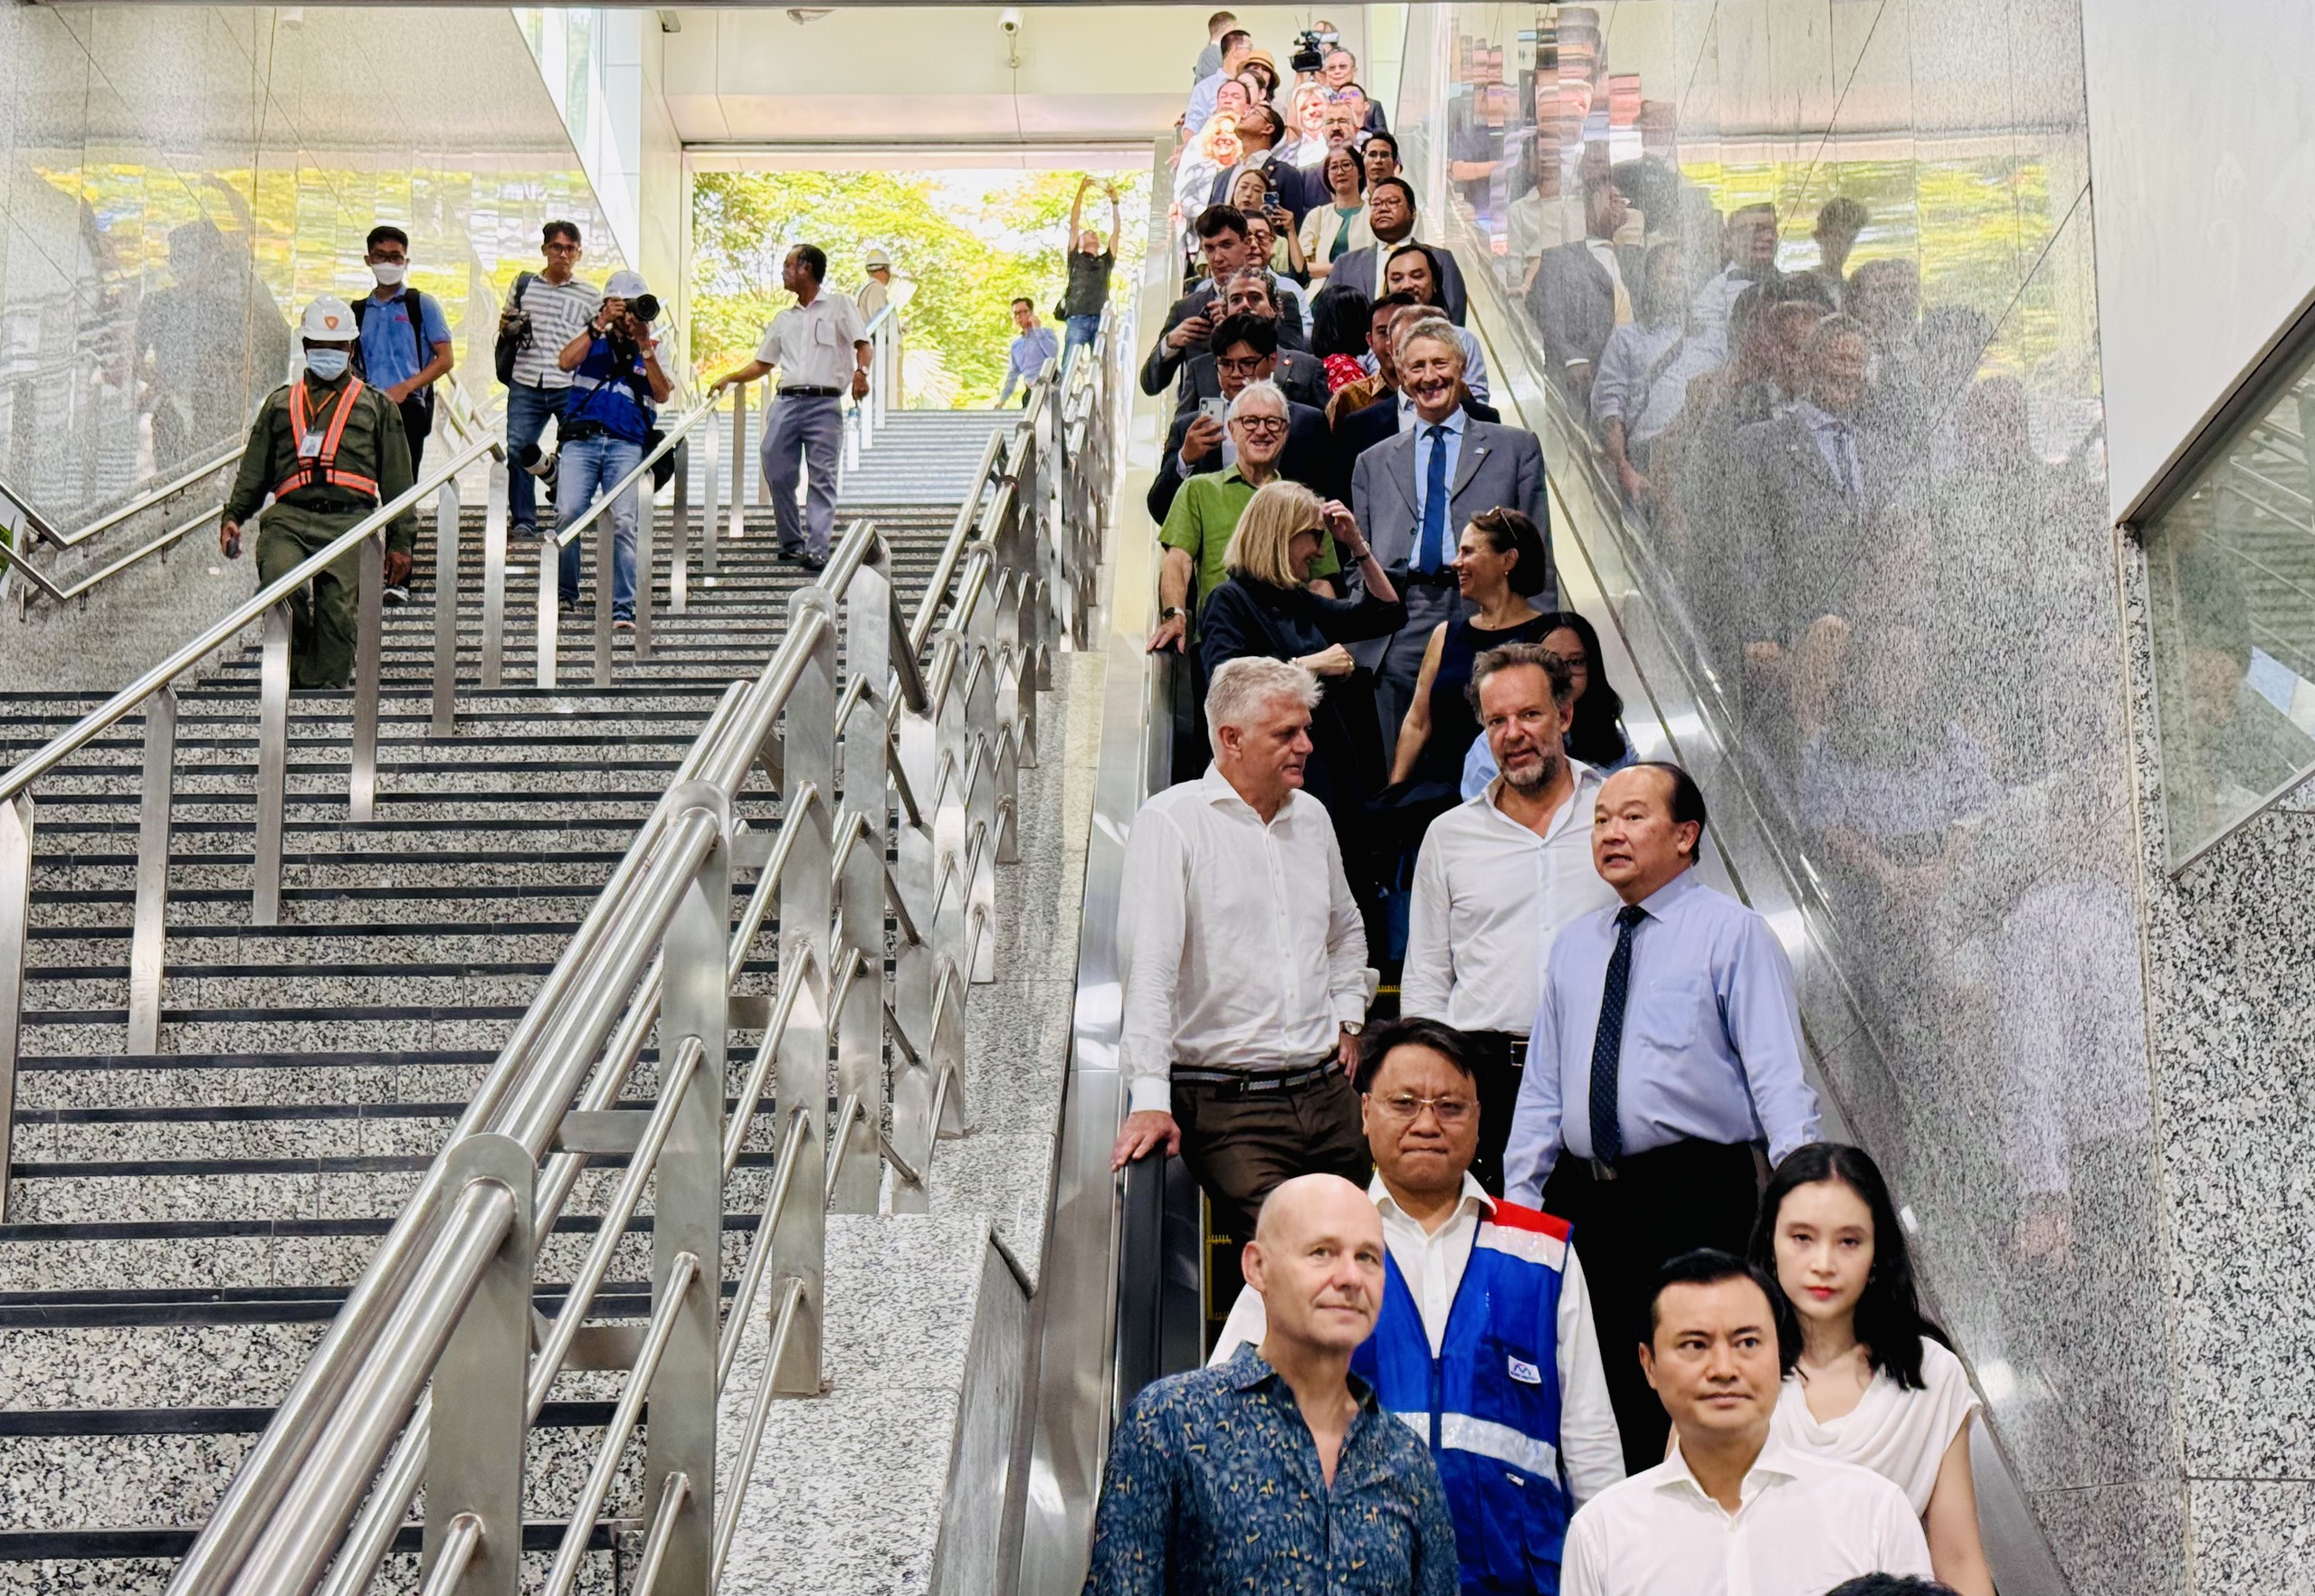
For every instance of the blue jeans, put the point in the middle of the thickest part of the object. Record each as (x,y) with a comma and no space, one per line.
(1081,332)
(528,410)
(591,467)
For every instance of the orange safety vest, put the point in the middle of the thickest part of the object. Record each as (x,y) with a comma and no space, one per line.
(315,470)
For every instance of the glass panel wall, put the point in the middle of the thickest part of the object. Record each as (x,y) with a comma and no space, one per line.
(176,182)
(2230,575)
(1799,293)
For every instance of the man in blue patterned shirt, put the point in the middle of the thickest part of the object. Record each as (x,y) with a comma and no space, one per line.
(1277,1472)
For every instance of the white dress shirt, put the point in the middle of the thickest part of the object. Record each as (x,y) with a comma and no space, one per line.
(1432,1265)
(1490,895)
(1239,943)
(812,345)
(1805,1525)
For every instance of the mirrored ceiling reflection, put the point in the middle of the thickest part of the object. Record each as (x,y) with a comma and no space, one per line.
(175,183)
(1809,284)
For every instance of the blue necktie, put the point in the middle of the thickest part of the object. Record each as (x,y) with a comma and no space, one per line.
(1431,548)
(1607,1041)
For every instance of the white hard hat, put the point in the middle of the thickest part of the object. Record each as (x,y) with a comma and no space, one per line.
(625,285)
(878,258)
(328,321)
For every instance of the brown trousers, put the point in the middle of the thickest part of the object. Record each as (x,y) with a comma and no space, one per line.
(1240,1145)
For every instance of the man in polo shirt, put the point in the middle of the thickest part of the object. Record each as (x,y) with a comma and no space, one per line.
(558,306)
(405,347)
(1498,877)
(819,345)
(1204,513)
(1242,351)
(1484,1345)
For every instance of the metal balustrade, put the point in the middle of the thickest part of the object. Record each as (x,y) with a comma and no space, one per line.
(893,745)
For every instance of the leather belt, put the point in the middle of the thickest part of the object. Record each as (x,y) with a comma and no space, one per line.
(800,392)
(1515,1048)
(1247,1083)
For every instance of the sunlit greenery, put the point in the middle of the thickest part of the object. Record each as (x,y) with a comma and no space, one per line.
(968,246)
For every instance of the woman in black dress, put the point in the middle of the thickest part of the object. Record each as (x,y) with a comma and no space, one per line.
(1498,564)
(1267,608)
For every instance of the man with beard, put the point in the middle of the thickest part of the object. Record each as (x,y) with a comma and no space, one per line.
(1498,877)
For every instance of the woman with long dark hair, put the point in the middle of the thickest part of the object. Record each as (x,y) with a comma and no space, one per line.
(1597,737)
(1876,1384)
(1499,562)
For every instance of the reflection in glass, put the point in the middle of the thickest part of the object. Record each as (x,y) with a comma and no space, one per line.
(2231,573)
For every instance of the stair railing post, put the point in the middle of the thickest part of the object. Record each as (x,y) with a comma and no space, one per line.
(646,513)
(272,761)
(369,662)
(759,487)
(15,940)
(917,754)
(494,577)
(860,919)
(447,552)
(678,530)
(606,547)
(478,1438)
(148,935)
(711,493)
(688,1212)
(550,610)
(736,527)
(800,1240)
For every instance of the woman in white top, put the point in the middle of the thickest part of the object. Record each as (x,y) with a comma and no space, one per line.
(1334,229)
(1876,1384)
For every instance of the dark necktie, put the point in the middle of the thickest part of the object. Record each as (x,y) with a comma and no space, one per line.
(1430,551)
(1607,1042)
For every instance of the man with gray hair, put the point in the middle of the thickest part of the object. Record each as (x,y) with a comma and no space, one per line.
(1244,960)
(1498,877)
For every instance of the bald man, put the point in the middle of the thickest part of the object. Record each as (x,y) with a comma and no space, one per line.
(1211,1474)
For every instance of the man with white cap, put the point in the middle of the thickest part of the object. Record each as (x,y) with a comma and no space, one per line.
(617,385)
(877,292)
(820,347)
(330,449)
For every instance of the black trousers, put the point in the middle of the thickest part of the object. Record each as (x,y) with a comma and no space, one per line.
(1659,1204)
(1503,1061)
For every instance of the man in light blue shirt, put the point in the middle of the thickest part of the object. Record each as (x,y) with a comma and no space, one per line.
(1665,1060)
(1033,350)
(1237,45)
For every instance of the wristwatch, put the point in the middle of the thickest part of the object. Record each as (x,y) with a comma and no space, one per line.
(1355,1027)
(1172,612)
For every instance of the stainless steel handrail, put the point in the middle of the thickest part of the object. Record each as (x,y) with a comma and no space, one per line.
(636,962)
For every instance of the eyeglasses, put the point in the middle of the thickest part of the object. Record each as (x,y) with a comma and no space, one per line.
(1261,425)
(1406,1107)
(1247,366)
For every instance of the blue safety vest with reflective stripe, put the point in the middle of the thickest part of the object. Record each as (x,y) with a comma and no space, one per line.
(619,402)
(1489,1403)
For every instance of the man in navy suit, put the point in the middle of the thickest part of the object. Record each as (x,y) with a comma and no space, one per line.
(1413,494)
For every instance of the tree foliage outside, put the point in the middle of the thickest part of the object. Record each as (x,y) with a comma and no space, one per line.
(967,241)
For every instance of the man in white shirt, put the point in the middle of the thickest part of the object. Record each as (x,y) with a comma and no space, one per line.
(1498,877)
(1732,1513)
(1488,1294)
(1243,958)
(819,345)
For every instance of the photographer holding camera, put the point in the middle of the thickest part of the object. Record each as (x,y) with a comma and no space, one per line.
(616,388)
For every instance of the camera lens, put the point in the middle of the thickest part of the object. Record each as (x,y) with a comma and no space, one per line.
(645,308)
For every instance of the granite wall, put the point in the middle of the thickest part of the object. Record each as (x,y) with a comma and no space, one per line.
(174,184)
(1882,546)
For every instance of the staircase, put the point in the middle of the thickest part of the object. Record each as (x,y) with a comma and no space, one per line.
(181,1226)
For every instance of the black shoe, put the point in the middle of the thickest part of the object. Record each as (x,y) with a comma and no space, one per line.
(812,562)
(395,593)
(790,552)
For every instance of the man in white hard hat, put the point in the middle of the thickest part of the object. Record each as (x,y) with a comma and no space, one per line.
(330,449)
(877,292)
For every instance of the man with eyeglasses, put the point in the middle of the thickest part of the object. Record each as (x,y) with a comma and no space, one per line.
(1498,876)
(545,310)
(1485,1343)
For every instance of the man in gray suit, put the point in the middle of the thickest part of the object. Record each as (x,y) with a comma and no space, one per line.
(1585,290)
(1415,492)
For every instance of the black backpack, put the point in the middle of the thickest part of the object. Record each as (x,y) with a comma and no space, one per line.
(513,340)
(414,307)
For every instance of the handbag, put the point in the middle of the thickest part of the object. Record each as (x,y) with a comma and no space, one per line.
(514,337)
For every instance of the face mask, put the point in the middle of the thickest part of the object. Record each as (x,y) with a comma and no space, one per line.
(389,273)
(328,365)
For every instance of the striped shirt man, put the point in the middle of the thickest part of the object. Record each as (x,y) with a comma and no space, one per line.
(559,313)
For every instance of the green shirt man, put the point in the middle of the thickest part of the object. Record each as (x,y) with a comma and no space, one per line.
(332,451)
(1205,514)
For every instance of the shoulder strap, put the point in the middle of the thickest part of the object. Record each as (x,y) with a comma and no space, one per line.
(522,281)
(414,307)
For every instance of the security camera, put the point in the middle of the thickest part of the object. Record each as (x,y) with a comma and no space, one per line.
(1009,19)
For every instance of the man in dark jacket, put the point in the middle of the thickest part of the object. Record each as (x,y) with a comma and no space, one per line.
(1245,351)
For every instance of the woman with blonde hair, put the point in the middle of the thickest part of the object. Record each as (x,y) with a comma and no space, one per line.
(1267,608)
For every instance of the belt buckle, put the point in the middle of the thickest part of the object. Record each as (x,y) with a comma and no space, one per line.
(1602,1171)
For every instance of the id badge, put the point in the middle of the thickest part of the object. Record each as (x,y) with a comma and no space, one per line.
(310,446)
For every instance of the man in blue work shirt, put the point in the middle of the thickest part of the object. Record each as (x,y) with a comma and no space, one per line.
(1485,1343)
(1664,1063)
(1278,1471)
(1031,350)
(405,347)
